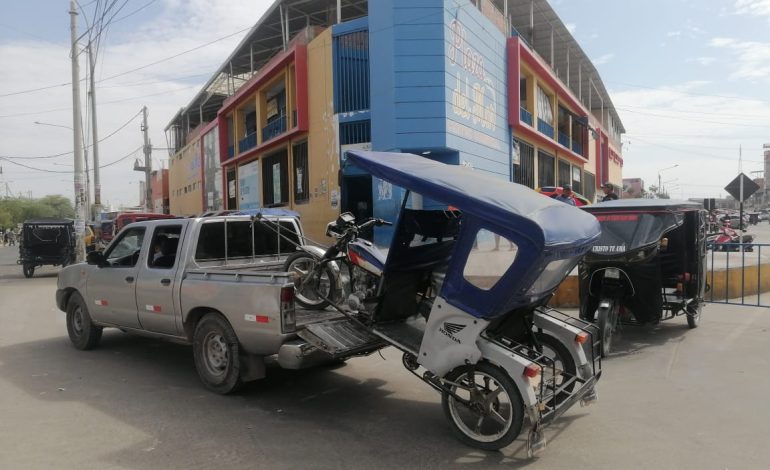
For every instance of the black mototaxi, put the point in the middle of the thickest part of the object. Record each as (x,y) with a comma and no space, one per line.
(649,264)
(46,241)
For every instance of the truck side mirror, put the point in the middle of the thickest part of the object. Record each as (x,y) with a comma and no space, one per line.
(96,258)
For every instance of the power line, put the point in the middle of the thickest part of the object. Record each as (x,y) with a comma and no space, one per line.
(45,170)
(733,124)
(738,98)
(695,153)
(70,152)
(134,69)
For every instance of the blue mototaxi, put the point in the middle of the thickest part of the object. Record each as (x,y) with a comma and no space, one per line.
(471,266)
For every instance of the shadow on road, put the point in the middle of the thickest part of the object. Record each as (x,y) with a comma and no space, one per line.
(632,339)
(317,418)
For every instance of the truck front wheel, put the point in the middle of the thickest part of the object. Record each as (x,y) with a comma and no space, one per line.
(82,331)
(216,352)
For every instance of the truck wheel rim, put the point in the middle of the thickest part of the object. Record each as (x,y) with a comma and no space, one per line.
(490,414)
(77,321)
(216,354)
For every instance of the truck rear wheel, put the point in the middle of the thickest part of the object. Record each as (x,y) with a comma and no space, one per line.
(82,331)
(217,354)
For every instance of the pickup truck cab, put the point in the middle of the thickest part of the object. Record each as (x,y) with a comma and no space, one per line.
(214,283)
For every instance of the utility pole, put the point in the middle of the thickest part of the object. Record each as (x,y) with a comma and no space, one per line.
(78,138)
(147,162)
(95,135)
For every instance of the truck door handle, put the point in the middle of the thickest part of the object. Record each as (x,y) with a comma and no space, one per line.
(165,282)
(129,279)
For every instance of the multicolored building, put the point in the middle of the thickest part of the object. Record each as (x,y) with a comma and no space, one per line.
(499,86)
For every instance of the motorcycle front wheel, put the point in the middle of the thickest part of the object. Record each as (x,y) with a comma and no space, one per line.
(313,284)
(491,414)
(607,319)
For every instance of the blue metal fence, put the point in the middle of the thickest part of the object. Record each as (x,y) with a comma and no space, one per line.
(230,151)
(577,147)
(526,116)
(248,142)
(351,72)
(564,139)
(545,128)
(274,128)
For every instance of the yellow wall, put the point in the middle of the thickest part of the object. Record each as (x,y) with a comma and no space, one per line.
(184,181)
(323,148)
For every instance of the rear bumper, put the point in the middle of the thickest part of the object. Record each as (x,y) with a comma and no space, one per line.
(299,354)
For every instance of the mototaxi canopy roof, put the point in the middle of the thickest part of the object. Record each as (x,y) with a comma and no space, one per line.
(635,204)
(550,235)
(512,207)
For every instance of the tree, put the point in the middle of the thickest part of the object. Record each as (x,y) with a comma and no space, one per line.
(14,211)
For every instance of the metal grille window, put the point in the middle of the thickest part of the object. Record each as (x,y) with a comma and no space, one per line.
(301,177)
(564,173)
(524,172)
(351,72)
(275,179)
(545,169)
(357,132)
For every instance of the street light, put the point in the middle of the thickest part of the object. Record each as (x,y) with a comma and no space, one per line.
(662,170)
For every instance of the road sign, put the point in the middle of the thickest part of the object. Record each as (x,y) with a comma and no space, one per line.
(749,187)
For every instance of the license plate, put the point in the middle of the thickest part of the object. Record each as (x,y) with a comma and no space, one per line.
(612,273)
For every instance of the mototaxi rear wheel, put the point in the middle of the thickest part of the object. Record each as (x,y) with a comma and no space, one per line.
(491,413)
(28,270)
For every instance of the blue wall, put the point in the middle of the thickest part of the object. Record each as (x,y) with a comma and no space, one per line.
(438,88)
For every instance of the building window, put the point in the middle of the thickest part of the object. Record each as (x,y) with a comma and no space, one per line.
(590,186)
(301,177)
(564,173)
(524,171)
(545,169)
(544,109)
(275,179)
(577,179)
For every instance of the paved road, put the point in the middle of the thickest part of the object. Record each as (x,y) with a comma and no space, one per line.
(670,398)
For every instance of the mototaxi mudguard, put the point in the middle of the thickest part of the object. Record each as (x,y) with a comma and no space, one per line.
(339,282)
(567,335)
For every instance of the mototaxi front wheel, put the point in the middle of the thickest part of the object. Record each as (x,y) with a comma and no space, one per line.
(607,320)
(28,270)
(491,412)
(313,284)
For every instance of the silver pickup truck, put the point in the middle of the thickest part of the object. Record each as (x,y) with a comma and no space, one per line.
(214,282)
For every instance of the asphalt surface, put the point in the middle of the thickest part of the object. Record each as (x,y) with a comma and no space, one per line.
(669,398)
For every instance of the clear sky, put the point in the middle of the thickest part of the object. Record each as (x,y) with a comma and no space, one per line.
(690,80)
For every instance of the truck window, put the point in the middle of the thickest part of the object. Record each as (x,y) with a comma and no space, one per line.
(164,247)
(213,239)
(267,241)
(125,252)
